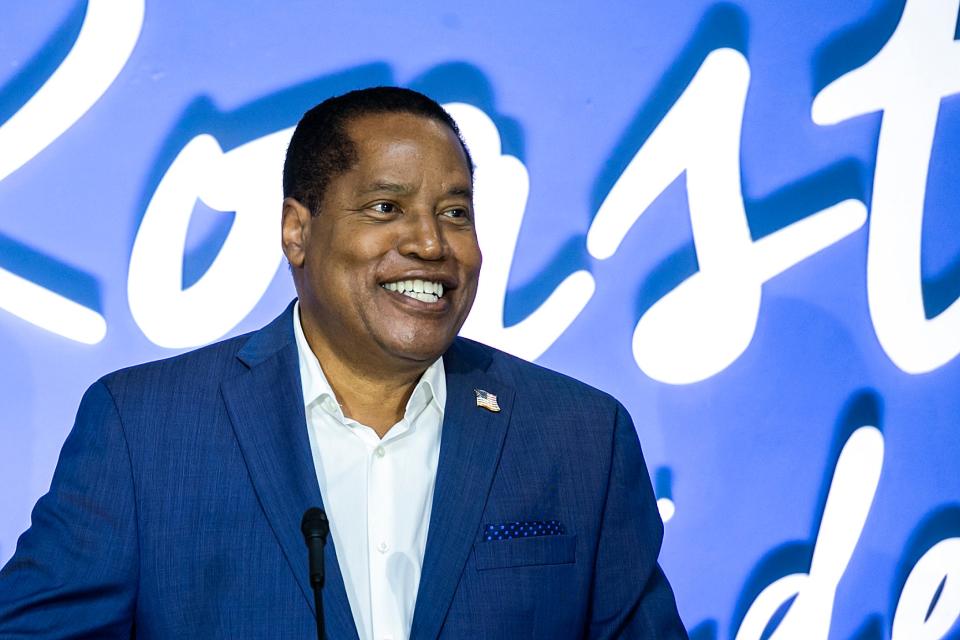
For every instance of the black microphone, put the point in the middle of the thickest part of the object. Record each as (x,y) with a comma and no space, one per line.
(315,529)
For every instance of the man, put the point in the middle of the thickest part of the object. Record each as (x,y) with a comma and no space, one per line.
(469,493)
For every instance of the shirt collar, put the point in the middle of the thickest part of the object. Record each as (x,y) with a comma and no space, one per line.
(431,388)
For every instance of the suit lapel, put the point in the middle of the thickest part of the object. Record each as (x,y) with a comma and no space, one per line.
(469,453)
(265,405)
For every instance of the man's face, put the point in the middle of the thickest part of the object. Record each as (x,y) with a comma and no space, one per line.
(392,233)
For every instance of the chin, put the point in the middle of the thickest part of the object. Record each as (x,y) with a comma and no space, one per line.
(425,351)
(424,355)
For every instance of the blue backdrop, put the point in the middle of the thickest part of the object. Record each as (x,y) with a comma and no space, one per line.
(739,218)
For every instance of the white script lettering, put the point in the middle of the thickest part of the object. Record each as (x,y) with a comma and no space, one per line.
(907,79)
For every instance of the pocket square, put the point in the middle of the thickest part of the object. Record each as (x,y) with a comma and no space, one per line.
(522,529)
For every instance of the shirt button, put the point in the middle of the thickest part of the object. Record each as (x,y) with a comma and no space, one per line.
(382,547)
(380,451)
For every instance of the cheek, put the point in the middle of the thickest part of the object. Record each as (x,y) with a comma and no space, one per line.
(364,249)
(351,258)
(467,251)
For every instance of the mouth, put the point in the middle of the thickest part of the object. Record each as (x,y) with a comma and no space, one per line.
(427,291)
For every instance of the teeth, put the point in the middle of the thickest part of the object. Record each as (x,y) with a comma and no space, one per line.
(422,297)
(423,290)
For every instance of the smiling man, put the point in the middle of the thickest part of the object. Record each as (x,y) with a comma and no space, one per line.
(469,493)
(387,274)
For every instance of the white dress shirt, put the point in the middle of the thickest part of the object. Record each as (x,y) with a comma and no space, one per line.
(378,494)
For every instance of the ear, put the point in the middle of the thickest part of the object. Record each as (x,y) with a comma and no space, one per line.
(295,231)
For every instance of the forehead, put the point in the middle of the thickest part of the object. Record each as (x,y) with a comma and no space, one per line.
(401,140)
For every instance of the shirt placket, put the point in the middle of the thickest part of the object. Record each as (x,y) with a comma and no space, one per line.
(381,543)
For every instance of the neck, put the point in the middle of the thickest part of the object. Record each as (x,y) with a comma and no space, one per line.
(375,396)
(377,402)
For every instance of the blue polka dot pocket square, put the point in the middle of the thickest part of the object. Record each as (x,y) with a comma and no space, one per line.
(525,543)
(522,529)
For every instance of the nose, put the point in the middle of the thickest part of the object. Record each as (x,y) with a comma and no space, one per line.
(422,237)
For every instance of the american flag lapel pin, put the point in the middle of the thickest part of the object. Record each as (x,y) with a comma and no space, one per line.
(487,400)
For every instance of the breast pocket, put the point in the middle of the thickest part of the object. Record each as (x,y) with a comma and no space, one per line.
(525,552)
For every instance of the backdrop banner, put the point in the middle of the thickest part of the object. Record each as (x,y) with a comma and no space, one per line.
(739,218)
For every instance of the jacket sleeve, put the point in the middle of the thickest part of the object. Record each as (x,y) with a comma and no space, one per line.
(74,572)
(631,597)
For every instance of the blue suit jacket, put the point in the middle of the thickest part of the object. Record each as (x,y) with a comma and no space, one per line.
(175,509)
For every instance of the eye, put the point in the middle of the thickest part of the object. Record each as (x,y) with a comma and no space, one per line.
(457,213)
(387,208)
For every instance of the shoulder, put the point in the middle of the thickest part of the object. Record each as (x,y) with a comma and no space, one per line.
(196,370)
(558,425)
(541,386)
(206,367)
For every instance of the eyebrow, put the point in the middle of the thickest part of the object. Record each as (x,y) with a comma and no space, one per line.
(390,187)
(404,189)
(460,190)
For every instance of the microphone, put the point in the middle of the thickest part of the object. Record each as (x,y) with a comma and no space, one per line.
(315,529)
